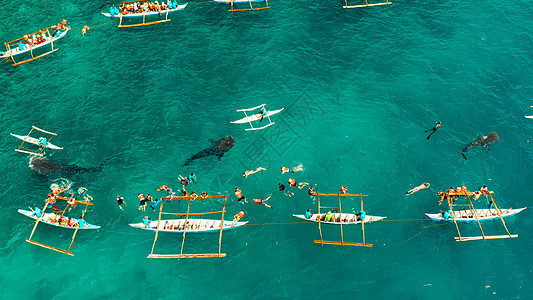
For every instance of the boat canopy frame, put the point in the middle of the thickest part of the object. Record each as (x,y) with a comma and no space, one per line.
(366,4)
(470,205)
(22,149)
(67,251)
(189,199)
(341,242)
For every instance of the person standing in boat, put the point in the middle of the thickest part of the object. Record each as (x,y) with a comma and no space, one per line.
(120,201)
(434,129)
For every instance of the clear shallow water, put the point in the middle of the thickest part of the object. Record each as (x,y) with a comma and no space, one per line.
(359,88)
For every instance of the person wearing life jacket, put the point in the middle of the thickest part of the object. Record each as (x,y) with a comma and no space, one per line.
(51,198)
(238,216)
(204,195)
(328,216)
(292,182)
(361,215)
(142,202)
(446,214)
(37,212)
(238,194)
(82,223)
(72,200)
(308,214)
(344,189)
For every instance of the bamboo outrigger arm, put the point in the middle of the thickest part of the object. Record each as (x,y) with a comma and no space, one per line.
(233,9)
(366,4)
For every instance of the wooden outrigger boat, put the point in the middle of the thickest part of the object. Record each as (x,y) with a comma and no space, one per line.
(43,143)
(195,224)
(48,39)
(47,219)
(234,3)
(366,4)
(256,117)
(469,213)
(143,15)
(340,219)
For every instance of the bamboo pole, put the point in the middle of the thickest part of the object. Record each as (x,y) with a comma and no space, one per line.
(453,215)
(340,217)
(77,228)
(500,214)
(185,227)
(319,220)
(221,228)
(363,222)
(157,229)
(474,213)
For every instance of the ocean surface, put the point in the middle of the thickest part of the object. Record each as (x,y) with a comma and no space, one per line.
(359,88)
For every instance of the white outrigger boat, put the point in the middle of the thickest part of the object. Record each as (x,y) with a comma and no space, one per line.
(27,48)
(47,219)
(249,2)
(469,215)
(193,225)
(164,12)
(257,117)
(340,218)
(36,141)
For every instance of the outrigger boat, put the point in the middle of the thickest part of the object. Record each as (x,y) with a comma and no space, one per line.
(116,14)
(233,3)
(529,117)
(42,216)
(193,225)
(257,117)
(21,48)
(470,214)
(366,4)
(338,219)
(43,143)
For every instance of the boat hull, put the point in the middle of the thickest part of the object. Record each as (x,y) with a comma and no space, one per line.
(16,51)
(482,215)
(341,219)
(238,1)
(193,225)
(152,13)
(46,220)
(32,140)
(254,117)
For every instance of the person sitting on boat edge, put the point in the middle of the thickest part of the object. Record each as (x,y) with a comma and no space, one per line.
(82,223)
(446,214)
(308,214)
(42,143)
(328,216)
(262,113)
(361,215)
(146,221)
(37,212)
(204,195)
(237,217)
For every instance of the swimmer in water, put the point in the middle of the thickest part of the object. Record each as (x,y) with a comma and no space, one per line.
(120,201)
(238,194)
(418,188)
(261,201)
(250,172)
(282,188)
(238,216)
(434,129)
(344,189)
(293,170)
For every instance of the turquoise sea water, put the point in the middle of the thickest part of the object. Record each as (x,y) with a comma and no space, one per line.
(359,88)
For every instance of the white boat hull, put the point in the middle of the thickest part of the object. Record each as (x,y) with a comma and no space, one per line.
(46,220)
(338,219)
(35,141)
(151,13)
(17,51)
(254,117)
(482,215)
(238,1)
(193,225)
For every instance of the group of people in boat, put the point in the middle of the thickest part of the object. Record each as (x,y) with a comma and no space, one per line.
(28,41)
(59,219)
(139,8)
(453,194)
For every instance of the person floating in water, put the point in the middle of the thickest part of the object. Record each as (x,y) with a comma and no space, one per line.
(156,203)
(192,178)
(434,129)
(183,180)
(237,217)
(293,170)
(311,191)
(238,194)
(261,201)
(301,185)
(83,192)
(418,188)
(120,201)
(282,188)
(262,113)
(344,189)
(308,214)
(250,172)
(142,202)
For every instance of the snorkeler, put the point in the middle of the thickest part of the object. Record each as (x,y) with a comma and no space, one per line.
(434,129)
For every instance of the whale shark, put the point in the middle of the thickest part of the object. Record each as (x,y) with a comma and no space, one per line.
(218,149)
(485,140)
(44,166)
